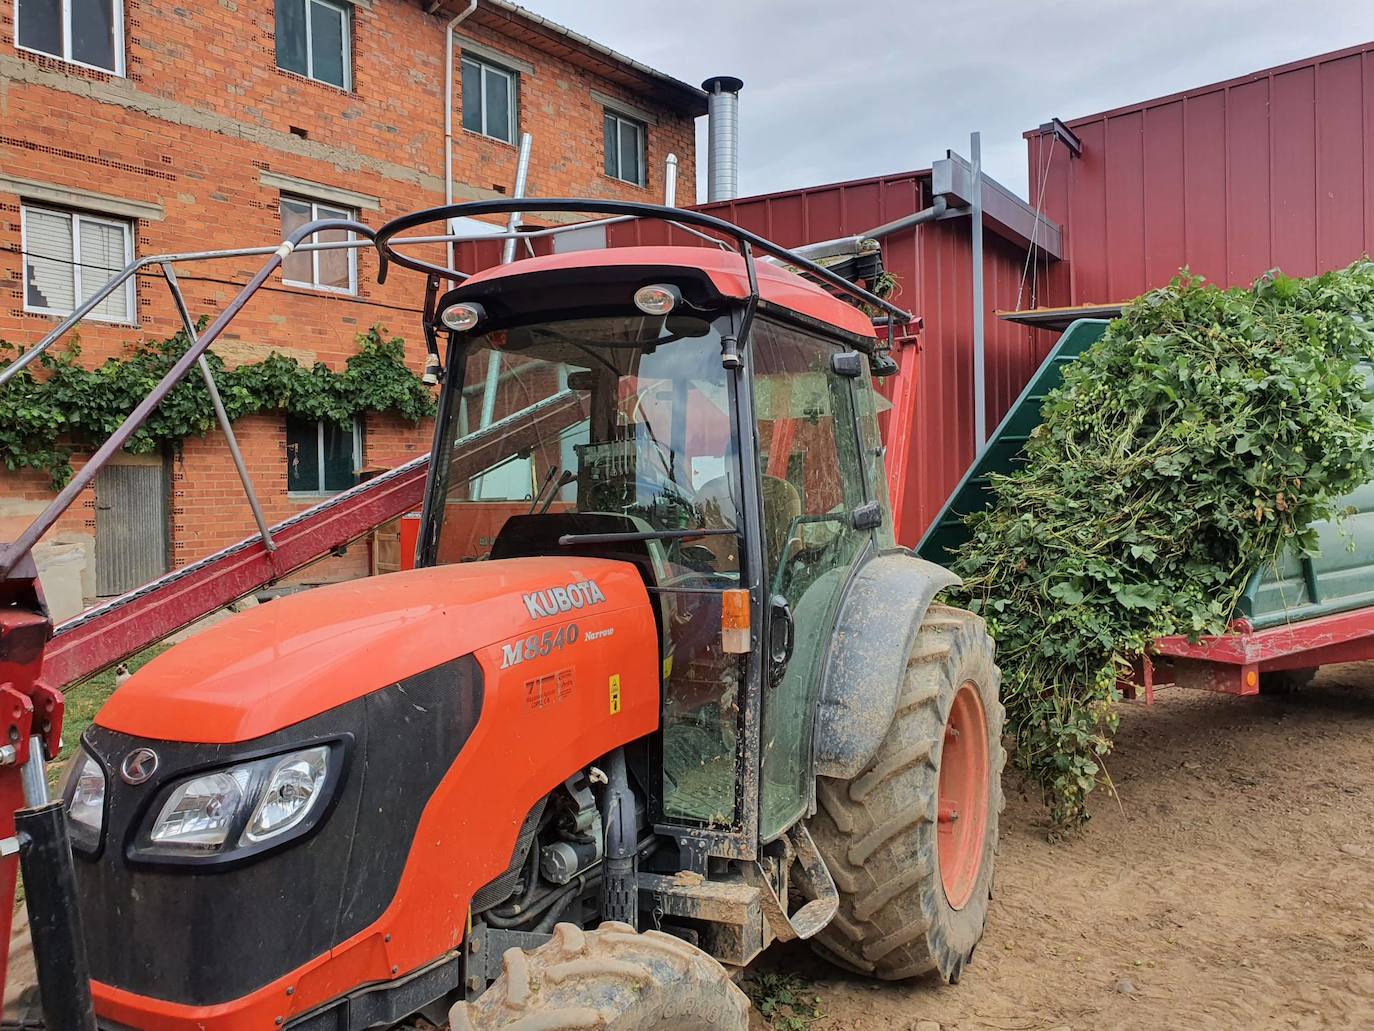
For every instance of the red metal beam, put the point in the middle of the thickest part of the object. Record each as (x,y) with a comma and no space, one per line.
(123,626)
(104,635)
(1262,647)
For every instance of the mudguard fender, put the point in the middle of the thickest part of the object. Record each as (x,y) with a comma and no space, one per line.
(874,634)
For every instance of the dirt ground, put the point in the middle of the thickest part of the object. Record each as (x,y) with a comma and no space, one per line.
(1231,887)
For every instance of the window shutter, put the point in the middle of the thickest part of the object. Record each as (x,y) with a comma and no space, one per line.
(102,256)
(48,270)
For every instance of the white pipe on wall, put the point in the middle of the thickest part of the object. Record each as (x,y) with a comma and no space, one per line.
(454,22)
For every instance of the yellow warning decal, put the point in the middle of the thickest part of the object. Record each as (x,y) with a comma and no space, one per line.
(615,693)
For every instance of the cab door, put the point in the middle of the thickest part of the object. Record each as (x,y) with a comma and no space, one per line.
(812,496)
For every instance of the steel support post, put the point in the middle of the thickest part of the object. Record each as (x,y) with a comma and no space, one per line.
(220,414)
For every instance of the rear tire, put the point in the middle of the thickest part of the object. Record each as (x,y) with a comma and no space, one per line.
(612,978)
(881,833)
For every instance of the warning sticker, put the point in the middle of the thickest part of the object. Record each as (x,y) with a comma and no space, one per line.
(615,693)
(548,689)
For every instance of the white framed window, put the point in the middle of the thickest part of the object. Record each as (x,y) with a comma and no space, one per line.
(491,99)
(322,457)
(85,32)
(313,40)
(624,141)
(335,270)
(69,256)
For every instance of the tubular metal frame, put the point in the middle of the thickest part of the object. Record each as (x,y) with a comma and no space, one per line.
(386,241)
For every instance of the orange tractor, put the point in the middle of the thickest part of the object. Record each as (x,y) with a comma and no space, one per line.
(693,700)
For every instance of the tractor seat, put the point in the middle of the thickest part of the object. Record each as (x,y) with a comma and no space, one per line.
(782,503)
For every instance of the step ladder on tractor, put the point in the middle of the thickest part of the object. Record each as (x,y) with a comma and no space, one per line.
(693,701)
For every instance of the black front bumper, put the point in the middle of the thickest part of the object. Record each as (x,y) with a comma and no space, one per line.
(206,933)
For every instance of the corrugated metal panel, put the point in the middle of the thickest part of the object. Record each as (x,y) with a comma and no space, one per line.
(1264,171)
(130,527)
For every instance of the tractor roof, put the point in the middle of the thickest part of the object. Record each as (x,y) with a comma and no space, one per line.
(725,269)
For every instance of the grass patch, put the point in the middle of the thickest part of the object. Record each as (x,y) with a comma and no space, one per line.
(787,1001)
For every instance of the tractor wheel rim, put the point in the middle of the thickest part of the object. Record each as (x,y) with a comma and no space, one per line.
(962,816)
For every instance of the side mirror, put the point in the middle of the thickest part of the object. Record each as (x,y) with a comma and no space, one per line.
(868,516)
(846,363)
(883,364)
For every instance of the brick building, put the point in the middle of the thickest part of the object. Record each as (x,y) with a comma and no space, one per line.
(137,127)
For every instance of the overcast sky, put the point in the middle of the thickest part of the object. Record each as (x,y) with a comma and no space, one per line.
(856,88)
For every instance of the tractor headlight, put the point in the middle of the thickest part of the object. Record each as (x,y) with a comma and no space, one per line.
(240,810)
(83,791)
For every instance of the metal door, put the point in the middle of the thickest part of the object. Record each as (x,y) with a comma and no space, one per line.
(130,526)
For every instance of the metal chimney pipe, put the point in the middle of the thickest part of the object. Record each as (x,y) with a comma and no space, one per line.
(722,148)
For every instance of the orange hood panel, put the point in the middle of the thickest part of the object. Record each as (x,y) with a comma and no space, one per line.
(290,659)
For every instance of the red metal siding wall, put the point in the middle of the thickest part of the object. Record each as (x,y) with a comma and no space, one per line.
(933,395)
(1232,179)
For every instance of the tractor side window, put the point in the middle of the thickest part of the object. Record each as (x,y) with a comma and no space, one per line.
(812,479)
(517,421)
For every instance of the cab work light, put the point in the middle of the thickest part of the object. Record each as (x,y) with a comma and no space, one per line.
(656,299)
(462,317)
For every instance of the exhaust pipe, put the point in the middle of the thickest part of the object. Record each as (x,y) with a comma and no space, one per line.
(722,148)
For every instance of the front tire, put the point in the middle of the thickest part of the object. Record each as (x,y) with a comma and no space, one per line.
(612,978)
(914,880)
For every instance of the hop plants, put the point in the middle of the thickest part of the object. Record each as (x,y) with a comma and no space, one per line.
(1197,440)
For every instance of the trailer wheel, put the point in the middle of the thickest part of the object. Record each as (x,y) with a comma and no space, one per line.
(612,978)
(910,841)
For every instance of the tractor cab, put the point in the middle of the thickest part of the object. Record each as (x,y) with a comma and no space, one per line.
(601,404)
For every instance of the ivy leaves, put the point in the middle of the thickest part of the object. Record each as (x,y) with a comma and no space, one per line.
(1197,440)
(63,401)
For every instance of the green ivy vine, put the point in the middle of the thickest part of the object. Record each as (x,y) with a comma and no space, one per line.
(57,405)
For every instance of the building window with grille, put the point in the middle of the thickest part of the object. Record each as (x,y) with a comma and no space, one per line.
(322,457)
(313,40)
(624,148)
(490,100)
(69,256)
(84,32)
(333,270)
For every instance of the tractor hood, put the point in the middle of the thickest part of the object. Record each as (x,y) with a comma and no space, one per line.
(294,658)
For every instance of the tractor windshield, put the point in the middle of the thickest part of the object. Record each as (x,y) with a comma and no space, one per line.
(619,424)
(626,416)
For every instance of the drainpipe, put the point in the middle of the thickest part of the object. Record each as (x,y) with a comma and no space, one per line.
(454,22)
(722,135)
(670,181)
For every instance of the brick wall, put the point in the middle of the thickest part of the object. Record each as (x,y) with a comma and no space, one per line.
(201,115)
